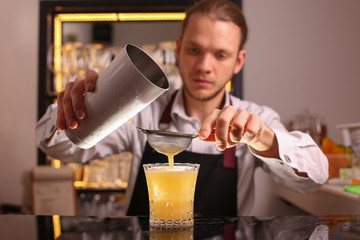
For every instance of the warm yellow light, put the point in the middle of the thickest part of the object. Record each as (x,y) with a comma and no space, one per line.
(99,17)
(110,17)
(88,17)
(79,184)
(151,16)
(57,226)
(228,86)
(56,163)
(57,52)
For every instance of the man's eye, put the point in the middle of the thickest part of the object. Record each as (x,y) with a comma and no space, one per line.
(220,55)
(194,50)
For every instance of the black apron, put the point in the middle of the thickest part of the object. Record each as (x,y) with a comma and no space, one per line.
(215,192)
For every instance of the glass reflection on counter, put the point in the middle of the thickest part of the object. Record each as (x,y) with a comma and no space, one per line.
(174,234)
(254,228)
(282,227)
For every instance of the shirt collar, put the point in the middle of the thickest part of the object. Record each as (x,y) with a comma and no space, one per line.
(178,108)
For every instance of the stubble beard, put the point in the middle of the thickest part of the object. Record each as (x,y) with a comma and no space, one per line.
(204,98)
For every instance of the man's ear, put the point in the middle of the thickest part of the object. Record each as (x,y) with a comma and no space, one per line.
(240,61)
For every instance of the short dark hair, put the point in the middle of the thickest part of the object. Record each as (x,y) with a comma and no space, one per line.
(223,10)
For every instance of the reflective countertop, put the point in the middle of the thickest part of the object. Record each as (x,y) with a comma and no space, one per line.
(280,227)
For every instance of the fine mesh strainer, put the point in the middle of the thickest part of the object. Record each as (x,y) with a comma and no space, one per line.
(168,142)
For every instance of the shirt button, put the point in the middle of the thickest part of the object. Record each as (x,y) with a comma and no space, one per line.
(287,159)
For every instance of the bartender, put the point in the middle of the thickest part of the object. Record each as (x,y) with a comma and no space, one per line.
(209,51)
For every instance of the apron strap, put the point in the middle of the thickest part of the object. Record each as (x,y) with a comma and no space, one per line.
(229,158)
(165,117)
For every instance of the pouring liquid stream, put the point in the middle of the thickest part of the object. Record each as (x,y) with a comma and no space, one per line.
(170,152)
(170,159)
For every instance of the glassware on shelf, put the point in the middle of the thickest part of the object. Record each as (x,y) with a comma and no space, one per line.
(93,52)
(112,175)
(66,63)
(310,123)
(54,63)
(50,59)
(93,173)
(163,54)
(77,169)
(110,172)
(76,58)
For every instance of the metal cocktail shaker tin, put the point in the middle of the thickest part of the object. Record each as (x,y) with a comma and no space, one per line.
(131,82)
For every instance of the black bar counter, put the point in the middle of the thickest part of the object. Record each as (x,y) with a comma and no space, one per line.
(262,228)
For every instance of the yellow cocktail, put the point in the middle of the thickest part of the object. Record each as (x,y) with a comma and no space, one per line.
(171,193)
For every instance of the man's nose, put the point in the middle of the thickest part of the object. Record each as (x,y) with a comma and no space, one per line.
(204,63)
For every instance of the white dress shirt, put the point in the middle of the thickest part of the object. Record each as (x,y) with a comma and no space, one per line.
(297,150)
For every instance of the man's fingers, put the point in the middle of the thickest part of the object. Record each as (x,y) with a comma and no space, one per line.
(219,120)
(67,105)
(60,121)
(238,125)
(230,127)
(77,95)
(210,138)
(252,129)
(208,124)
(90,82)
(71,105)
(223,122)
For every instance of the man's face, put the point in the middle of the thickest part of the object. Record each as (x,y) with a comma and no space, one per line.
(208,56)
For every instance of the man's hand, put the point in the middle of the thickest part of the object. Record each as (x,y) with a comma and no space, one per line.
(230,126)
(71,106)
